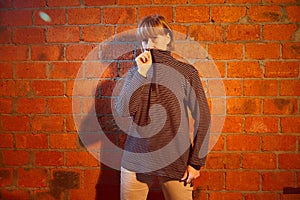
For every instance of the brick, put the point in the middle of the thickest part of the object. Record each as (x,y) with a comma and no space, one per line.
(48,123)
(60,106)
(243,106)
(125,33)
(57,16)
(169,2)
(290,196)
(225,51)
(6,105)
(281,1)
(29,3)
(290,124)
(101,70)
(242,1)
(265,13)
(91,177)
(34,141)
(261,196)
(63,141)
(283,106)
(6,4)
(6,71)
(291,50)
(25,177)
(107,87)
(166,11)
(5,35)
(227,13)
(15,157)
(242,32)
(97,33)
(103,106)
(65,70)
(261,124)
(232,124)
(91,193)
(289,161)
(293,13)
(282,69)
(15,123)
(223,161)
(70,88)
(25,106)
(16,18)
(138,2)
(80,52)
(262,51)
(48,88)
(14,53)
(45,194)
(57,3)
(63,34)
(207,32)
(259,161)
(279,143)
(100,3)
(290,87)
(48,158)
(279,31)
(186,14)
(84,159)
(219,145)
(210,181)
(31,70)
(244,70)
(84,16)
(7,140)
(233,87)
(70,124)
(243,142)
(47,52)
(277,180)
(206,1)
(6,177)
(14,88)
(260,88)
(12,194)
(242,180)
(225,196)
(119,16)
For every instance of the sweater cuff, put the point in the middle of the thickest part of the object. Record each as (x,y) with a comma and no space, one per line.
(197,167)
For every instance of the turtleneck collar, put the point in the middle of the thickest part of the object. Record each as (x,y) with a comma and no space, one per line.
(160,56)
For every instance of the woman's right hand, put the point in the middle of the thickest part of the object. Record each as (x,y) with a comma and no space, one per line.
(144,62)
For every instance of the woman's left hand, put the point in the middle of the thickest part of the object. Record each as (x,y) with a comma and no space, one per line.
(190,174)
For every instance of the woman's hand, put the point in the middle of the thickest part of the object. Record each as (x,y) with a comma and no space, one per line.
(190,174)
(144,62)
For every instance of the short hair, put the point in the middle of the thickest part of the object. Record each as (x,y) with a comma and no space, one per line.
(154,25)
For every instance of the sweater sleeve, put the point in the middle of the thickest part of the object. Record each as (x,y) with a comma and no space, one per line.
(198,106)
(133,81)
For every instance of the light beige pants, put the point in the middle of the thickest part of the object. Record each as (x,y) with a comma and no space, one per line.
(134,189)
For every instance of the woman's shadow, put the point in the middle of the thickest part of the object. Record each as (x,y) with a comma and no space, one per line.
(108,184)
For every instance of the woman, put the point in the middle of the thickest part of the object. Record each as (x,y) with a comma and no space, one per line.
(157,95)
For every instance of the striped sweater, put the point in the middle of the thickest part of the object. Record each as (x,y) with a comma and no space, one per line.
(159,141)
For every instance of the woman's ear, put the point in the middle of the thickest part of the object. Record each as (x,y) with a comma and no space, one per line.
(168,38)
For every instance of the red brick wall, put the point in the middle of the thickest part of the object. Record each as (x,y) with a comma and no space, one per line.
(255,44)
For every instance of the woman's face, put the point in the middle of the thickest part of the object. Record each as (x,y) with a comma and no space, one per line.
(157,42)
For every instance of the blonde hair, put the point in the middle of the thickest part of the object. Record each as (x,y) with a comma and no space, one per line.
(152,26)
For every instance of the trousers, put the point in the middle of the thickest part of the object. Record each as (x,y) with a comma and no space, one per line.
(136,187)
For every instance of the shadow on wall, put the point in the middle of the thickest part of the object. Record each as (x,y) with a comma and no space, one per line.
(108,185)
